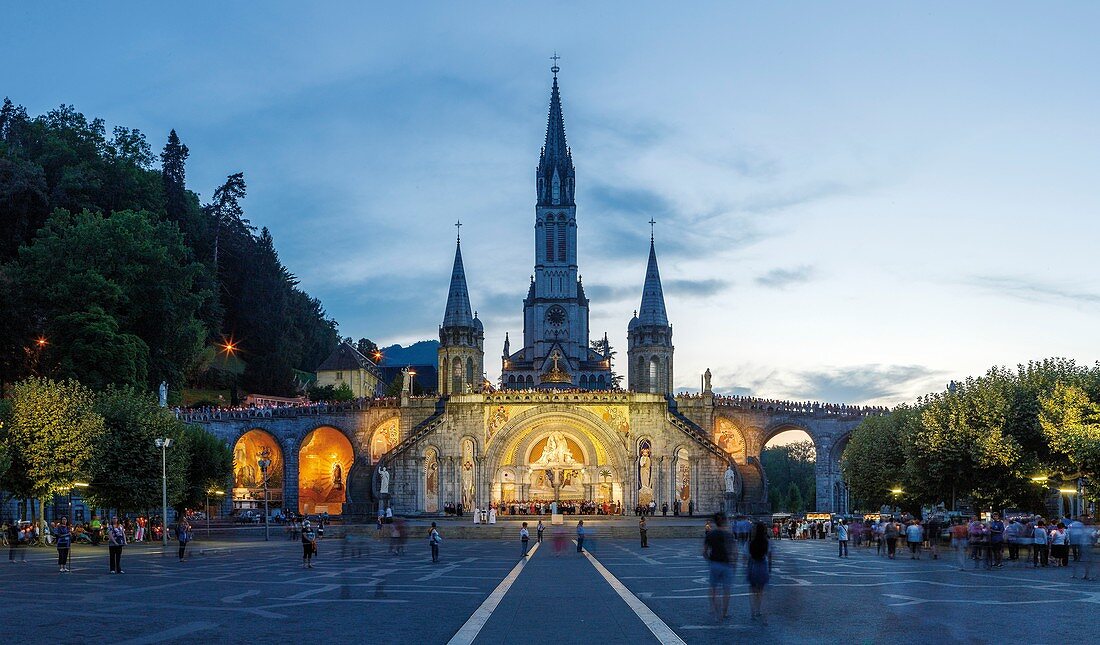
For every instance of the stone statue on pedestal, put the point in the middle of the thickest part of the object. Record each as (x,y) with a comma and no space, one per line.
(383,481)
(706,380)
(731,479)
(163,394)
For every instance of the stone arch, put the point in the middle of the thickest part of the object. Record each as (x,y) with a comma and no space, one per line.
(383,437)
(325,455)
(247,486)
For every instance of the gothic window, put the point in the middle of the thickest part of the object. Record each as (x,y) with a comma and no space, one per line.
(549,233)
(530,381)
(603,381)
(456,378)
(653,370)
(555,185)
(512,379)
(470,372)
(584,381)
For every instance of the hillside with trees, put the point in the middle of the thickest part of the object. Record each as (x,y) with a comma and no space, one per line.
(114,272)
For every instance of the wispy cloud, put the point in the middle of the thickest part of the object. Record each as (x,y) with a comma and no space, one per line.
(781,278)
(857,384)
(1033,291)
(695,288)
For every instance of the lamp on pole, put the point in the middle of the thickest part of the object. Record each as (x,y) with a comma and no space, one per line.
(264,462)
(163,443)
(208,494)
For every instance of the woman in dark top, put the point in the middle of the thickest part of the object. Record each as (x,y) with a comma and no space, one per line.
(64,537)
(759,569)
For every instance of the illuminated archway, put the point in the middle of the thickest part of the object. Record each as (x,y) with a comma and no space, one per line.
(383,439)
(324,459)
(248,483)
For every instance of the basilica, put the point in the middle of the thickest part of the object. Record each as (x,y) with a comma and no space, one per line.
(558,427)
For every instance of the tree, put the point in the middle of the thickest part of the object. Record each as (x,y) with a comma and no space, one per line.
(1071,423)
(226,213)
(873,463)
(126,471)
(209,466)
(54,429)
(794,499)
(367,348)
(174,173)
(115,283)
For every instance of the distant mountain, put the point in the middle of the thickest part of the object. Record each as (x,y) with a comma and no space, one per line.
(425,352)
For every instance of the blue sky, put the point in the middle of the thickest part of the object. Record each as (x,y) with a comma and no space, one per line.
(854,201)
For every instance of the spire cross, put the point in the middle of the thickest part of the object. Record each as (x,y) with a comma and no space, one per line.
(651,223)
(555,69)
(458,227)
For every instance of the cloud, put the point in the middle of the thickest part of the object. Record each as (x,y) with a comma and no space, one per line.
(1031,291)
(781,278)
(853,384)
(695,288)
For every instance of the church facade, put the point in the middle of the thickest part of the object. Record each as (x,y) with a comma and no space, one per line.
(558,427)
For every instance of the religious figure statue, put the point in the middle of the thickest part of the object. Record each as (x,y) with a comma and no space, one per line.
(706,380)
(556,451)
(645,468)
(163,394)
(731,479)
(337,477)
(384,481)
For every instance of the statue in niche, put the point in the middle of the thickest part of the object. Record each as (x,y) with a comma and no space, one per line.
(383,481)
(337,477)
(731,479)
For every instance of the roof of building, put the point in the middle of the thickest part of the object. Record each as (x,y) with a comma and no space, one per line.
(346,357)
(652,311)
(459,312)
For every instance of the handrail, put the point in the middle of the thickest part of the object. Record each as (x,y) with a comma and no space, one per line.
(421,430)
(692,429)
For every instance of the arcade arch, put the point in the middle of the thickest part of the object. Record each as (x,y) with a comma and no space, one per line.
(248,484)
(324,459)
(383,438)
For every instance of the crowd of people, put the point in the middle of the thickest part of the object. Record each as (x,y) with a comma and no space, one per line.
(565,507)
(281,409)
(812,408)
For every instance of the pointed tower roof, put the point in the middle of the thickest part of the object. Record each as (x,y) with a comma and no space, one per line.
(555,160)
(652,311)
(459,313)
(555,147)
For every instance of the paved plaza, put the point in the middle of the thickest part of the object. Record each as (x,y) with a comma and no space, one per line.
(233,591)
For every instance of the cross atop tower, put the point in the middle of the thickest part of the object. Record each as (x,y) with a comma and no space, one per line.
(555,69)
(458,227)
(651,223)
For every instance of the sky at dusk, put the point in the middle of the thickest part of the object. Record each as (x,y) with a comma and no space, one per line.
(855,202)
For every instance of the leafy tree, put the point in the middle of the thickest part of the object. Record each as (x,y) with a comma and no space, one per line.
(209,465)
(126,471)
(367,348)
(794,499)
(174,173)
(122,279)
(874,461)
(52,433)
(1071,423)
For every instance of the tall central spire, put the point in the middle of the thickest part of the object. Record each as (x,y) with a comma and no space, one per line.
(555,172)
(652,311)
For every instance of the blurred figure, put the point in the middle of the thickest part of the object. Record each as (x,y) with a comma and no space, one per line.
(1083,536)
(721,554)
(64,542)
(309,544)
(116,539)
(960,540)
(559,540)
(524,537)
(642,532)
(580,536)
(914,535)
(1039,545)
(758,570)
(996,541)
(433,541)
(842,539)
(183,534)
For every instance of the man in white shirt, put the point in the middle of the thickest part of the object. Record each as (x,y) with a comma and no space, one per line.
(842,538)
(914,535)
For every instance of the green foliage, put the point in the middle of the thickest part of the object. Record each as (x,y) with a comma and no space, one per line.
(52,432)
(120,297)
(210,465)
(126,471)
(983,438)
(787,466)
(331,393)
(199,272)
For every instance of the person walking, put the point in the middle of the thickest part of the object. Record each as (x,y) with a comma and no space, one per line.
(309,544)
(1039,545)
(960,540)
(64,537)
(914,535)
(758,570)
(891,536)
(16,542)
(842,539)
(433,542)
(580,536)
(642,531)
(539,528)
(116,539)
(183,534)
(524,536)
(721,556)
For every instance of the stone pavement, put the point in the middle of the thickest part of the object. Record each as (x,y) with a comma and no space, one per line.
(258,591)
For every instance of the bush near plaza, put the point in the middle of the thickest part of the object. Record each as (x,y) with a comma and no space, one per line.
(129,278)
(984,438)
(57,433)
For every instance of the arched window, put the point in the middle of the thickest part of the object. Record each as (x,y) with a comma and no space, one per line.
(443,373)
(456,377)
(530,381)
(654,369)
(584,381)
(603,381)
(470,372)
(512,379)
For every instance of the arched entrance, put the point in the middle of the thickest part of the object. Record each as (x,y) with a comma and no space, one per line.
(248,482)
(324,459)
(789,460)
(567,455)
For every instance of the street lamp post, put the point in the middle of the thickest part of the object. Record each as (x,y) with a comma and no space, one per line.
(264,462)
(163,443)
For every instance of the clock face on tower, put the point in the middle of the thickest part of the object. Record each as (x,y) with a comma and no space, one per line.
(555,317)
